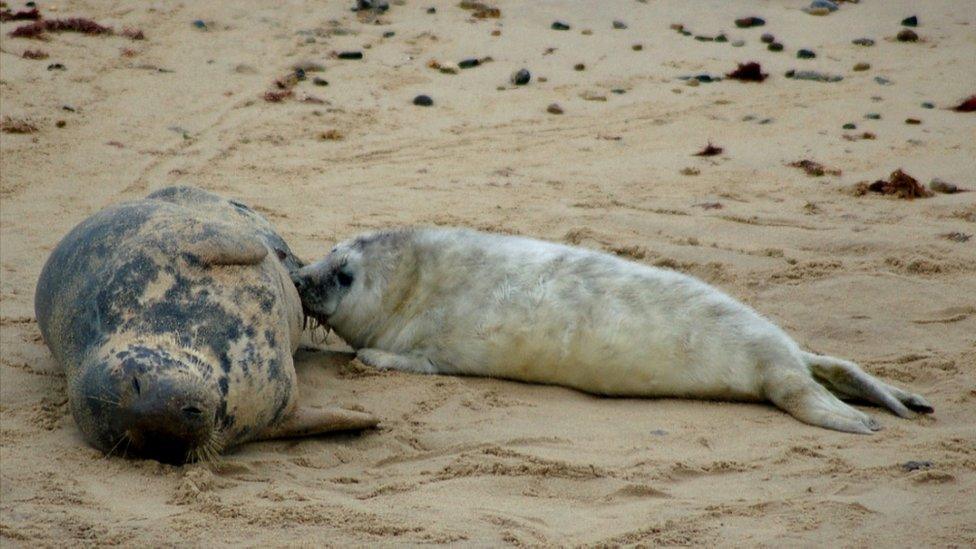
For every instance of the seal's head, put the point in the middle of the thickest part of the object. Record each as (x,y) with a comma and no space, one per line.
(150,399)
(358,281)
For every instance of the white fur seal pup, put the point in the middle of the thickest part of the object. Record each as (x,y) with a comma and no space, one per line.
(175,320)
(457,301)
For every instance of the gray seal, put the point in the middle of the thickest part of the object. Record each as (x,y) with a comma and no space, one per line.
(455,301)
(175,320)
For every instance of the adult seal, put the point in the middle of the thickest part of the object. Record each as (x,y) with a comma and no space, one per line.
(175,320)
(456,301)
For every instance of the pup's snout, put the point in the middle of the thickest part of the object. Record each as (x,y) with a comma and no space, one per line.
(299,280)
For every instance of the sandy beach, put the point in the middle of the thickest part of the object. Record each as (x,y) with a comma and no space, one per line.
(887,282)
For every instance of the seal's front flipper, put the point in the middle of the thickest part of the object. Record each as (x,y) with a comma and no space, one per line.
(218,245)
(384,360)
(306,421)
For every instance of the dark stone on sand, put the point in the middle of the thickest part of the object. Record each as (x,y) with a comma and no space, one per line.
(721,38)
(521,77)
(200,24)
(703,38)
(863,42)
(910,21)
(873,116)
(389,34)
(928,105)
(850,126)
(805,54)
(579,67)
(350,55)
(554,108)
(767,38)
(423,101)
(775,46)
(619,25)
(747,22)
(56,67)
(916,465)
(320,81)
(560,26)
(431,10)
(907,35)
(469,63)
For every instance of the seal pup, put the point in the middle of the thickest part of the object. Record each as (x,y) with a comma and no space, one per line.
(175,320)
(457,301)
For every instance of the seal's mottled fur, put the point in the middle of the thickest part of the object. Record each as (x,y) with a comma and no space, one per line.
(175,320)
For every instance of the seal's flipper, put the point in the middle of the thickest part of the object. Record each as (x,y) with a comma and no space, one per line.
(306,421)
(221,246)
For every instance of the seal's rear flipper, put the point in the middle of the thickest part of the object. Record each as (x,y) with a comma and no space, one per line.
(305,421)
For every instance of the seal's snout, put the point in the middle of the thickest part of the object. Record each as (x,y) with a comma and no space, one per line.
(168,418)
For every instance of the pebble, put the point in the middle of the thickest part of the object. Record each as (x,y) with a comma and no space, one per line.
(378,5)
(817,11)
(907,35)
(816,76)
(805,54)
(619,25)
(693,83)
(823,4)
(521,77)
(767,38)
(721,38)
(448,67)
(469,63)
(910,21)
(928,105)
(320,81)
(389,34)
(913,121)
(850,126)
(431,10)
(916,465)
(775,46)
(618,91)
(882,80)
(862,67)
(637,47)
(423,101)
(703,38)
(200,24)
(738,43)
(862,42)
(590,95)
(586,32)
(579,67)
(941,186)
(748,22)
(60,123)
(554,108)
(560,26)
(56,67)
(872,116)
(350,55)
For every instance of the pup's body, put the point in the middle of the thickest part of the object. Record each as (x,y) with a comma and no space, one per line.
(456,301)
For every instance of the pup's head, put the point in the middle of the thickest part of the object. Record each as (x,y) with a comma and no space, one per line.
(350,285)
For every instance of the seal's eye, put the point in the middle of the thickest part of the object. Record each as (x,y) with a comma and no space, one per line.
(344,279)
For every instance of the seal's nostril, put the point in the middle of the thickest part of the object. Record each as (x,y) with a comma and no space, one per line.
(135,385)
(192,411)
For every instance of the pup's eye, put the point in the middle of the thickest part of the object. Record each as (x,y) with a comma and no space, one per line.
(344,279)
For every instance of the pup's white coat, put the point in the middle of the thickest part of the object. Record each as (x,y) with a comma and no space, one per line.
(457,301)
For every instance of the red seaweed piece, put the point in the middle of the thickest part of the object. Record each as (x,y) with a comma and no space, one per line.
(27,15)
(969,105)
(133,34)
(709,150)
(748,72)
(277,96)
(73,24)
(899,184)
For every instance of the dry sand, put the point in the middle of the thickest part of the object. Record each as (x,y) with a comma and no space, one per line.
(489,462)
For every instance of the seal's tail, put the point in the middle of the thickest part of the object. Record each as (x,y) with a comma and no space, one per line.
(848,380)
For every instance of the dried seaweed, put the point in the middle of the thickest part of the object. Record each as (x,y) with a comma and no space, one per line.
(12,125)
(709,150)
(748,72)
(480,10)
(26,15)
(277,96)
(899,184)
(969,105)
(35,54)
(73,24)
(813,168)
